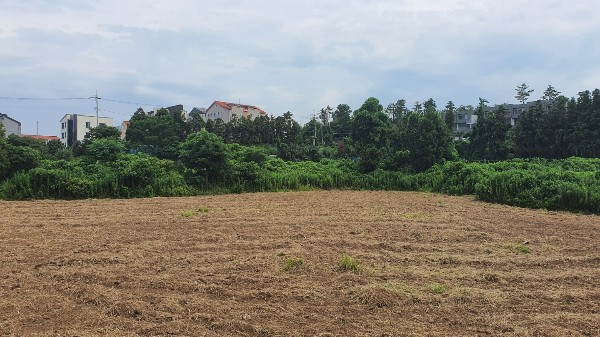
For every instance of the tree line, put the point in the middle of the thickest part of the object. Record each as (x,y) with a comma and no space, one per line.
(395,147)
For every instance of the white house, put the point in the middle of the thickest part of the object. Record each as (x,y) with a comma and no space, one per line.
(74,127)
(11,126)
(226,111)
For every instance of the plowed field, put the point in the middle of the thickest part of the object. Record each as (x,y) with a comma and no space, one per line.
(429,265)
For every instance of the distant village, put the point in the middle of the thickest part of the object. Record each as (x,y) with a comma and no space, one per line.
(74,127)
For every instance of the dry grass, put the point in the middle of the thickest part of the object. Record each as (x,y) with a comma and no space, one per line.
(140,268)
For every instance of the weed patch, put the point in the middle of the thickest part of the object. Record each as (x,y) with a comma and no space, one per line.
(292,263)
(437,288)
(348,263)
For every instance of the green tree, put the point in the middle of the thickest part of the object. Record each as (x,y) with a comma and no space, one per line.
(450,116)
(206,155)
(550,93)
(103,132)
(370,134)
(341,124)
(397,111)
(427,140)
(195,122)
(4,160)
(488,140)
(430,105)
(104,150)
(157,135)
(523,93)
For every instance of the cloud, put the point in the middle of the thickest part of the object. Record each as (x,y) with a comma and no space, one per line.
(297,56)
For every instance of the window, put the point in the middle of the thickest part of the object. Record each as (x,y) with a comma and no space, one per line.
(461,116)
(87,124)
(102,124)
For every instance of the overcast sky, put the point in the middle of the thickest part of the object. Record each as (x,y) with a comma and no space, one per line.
(281,55)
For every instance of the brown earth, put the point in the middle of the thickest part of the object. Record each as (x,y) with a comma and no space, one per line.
(430,265)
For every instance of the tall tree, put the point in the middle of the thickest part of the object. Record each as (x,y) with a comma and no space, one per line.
(550,93)
(370,132)
(523,93)
(158,135)
(429,105)
(206,155)
(450,116)
(418,108)
(103,132)
(488,140)
(397,111)
(341,124)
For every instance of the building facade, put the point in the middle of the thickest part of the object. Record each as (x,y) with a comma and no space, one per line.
(226,111)
(466,120)
(74,127)
(11,126)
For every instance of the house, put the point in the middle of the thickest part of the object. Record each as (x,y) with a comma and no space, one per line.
(46,139)
(173,110)
(74,127)
(198,111)
(123,129)
(11,126)
(226,111)
(465,120)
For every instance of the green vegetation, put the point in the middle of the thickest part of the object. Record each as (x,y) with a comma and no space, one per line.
(437,288)
(348,263)
(292,263)
(372,148)
(522,249)
(188,214)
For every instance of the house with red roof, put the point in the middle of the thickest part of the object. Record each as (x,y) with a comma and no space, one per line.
(226,111)
(42,138)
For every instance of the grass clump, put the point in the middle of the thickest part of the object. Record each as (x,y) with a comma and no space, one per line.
(437,288)
(348,263)
(523,249)
(188,214)
(292,263)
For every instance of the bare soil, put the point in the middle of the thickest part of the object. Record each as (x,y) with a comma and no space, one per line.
(429,265)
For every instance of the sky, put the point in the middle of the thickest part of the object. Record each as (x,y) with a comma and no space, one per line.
(297,56)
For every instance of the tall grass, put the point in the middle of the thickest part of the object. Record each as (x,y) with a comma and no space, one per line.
(571,184)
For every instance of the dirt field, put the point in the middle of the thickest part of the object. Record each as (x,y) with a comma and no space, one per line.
(429,265)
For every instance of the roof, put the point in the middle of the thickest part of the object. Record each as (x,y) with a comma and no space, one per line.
(12,119)
(46,138)
(229,106)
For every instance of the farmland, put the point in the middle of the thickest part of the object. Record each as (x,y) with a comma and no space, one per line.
(268,264)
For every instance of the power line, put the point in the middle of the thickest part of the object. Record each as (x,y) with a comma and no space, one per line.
(42,99)
(75,98)
(133,103)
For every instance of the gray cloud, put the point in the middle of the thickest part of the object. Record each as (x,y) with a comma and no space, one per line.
(288,55)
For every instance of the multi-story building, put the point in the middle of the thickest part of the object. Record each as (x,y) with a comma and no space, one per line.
(11,126)
(226,111)
(466,119)
(74,127)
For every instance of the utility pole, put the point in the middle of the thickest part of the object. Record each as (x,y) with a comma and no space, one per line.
(315,121)
(96,98)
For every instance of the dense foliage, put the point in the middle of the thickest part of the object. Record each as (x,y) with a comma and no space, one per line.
(371,148)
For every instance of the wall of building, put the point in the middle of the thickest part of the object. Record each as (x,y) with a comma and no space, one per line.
(216,111)
(75,127)
(11,126)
